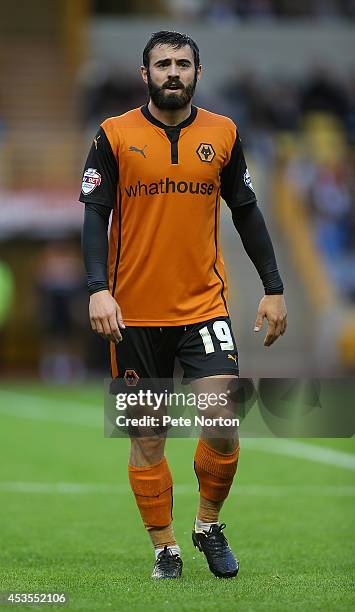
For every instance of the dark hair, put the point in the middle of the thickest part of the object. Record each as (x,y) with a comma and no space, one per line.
(173,39)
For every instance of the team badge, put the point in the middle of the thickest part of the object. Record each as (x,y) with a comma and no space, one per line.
(206,152)
(131,377)
(91,180)
(247,180)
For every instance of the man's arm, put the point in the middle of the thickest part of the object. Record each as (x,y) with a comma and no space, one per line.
(238,192)
(249,223)
(105,314)
(95,246)
(98,193)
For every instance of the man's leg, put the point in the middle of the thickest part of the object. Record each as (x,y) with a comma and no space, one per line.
(215,471)
(216,461)
(216,458)
(146,351)
(152,485)
(209,357)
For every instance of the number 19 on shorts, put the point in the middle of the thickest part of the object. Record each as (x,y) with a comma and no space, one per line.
(222,334)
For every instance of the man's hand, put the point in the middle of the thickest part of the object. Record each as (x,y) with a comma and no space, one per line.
(272,307)
(105,316)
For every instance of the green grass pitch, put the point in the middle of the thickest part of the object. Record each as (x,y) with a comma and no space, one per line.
(68,520)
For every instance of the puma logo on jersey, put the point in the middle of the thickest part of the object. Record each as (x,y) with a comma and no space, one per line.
(95,140)
(137,150)
(234,357)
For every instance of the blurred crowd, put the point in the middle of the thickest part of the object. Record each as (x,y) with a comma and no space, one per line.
(227,10)
(320,117)
(281,103)
(314,120)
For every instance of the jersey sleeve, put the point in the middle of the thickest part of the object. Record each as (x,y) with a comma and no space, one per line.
(236,185)
(100,177)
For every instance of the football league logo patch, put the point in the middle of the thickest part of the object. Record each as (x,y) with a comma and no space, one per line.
(91,180)
(206,152)
(247,180)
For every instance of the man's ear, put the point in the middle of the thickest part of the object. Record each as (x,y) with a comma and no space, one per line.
(199,72)
(144,73)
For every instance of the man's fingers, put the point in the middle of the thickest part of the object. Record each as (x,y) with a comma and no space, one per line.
(116,334)
(273,308)
(102,329)
(259,322)
(105,316)
(270,334)
(99,328)
(278,328)
(119,318)
(115,330)
(107,329)
(111,331)
(269,339)
(275,330)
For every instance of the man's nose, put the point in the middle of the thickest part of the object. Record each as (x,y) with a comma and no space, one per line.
(173,70)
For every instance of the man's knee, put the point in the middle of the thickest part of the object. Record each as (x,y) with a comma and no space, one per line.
(146,450)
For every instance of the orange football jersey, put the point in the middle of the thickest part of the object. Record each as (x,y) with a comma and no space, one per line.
(164,186)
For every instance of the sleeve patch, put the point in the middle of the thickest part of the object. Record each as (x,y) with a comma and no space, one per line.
(91,180)
(247,180)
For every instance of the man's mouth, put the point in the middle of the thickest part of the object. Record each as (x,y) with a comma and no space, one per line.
(173,87)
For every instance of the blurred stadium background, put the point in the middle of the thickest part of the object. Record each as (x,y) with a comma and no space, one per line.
(283,70)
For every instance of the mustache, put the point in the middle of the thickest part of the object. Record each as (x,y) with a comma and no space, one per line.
(174,83)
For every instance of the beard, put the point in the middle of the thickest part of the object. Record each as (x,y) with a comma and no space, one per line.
(169,100)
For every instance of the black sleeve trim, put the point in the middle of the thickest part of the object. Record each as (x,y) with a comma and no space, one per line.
(249,223)
(236,186)
(100,177)
(95,246)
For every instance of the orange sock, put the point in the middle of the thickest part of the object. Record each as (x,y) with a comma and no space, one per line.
(208,511)
(162,536)
(215,472)
(152,486)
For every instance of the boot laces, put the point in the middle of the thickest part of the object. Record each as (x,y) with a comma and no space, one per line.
(216,540)
(166,558)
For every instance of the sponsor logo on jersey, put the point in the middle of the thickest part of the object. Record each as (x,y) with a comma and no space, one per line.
(166,186)
(205,152)
(138,150)
(91,180)
(247,180)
